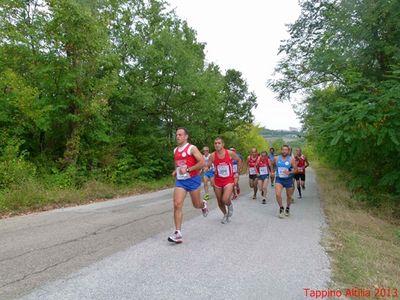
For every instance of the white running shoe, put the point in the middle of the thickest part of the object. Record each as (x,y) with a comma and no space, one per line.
(225,219)
(175,238)
(205,209)
(230,210)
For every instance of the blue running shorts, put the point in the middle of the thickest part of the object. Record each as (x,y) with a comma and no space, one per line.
(285,182)
(190,184)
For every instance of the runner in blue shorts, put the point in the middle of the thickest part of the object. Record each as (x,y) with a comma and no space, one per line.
(188,163)
(285,167)
(208,173)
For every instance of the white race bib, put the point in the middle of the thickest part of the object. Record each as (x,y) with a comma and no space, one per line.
(181,164)
(263,170)
(223,171)
(300,170)
(281,173)
(252,171)
(235,168)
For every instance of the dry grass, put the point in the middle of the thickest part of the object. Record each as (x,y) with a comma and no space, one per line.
(33,196)
(363,242)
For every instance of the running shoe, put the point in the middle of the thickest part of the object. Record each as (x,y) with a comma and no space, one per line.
(281,214)
(272,184)
(287,212)
(234,196)
(205,209)
(225,219)
(175,238)
(299,197)
(238,189)
(254,197)
(264,201)
(303,187)
(206,197)
(230,210)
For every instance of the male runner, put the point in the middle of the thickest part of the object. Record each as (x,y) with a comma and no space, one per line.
(224,179)
(208,176)
(263,169)
(285,167)
(252,170)
(236,175)
(188,163)
(300,176)
(271,157)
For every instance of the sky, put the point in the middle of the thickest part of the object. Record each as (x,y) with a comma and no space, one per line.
(245,35)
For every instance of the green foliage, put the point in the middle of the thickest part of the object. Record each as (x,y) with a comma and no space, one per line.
(14,169)
(244,138)
(96,89)
(352,85)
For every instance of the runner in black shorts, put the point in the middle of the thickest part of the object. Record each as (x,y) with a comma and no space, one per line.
(252,170)
(300,175)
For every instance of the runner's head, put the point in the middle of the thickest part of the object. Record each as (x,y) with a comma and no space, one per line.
(232,149)
(271,150)
(263,154)
(253,152)
(298,152)
(182,136)
(218,144)
(285,150)
(206,150)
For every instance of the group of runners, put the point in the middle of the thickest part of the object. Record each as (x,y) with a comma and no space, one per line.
(221,170)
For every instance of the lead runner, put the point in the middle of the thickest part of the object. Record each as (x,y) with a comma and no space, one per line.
(188,163)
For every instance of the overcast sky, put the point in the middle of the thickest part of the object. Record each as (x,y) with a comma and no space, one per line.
(245,35)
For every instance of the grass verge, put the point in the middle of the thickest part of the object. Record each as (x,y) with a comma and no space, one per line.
(363,241)
(33,196)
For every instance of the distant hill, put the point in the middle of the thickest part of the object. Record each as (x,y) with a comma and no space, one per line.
(286,135)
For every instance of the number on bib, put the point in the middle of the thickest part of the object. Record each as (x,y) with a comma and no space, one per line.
(252,171)
(281,172)
(235,168)
(223,171)
(263,170)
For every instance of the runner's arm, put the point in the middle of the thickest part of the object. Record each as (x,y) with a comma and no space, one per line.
(200,160)
(234,156)
(210,161)
(269,166)
(294,166)
(307,163)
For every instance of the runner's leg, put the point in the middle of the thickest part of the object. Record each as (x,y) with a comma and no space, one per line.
(179,197)
(218,194)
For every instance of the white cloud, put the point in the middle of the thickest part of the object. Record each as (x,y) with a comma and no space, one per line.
(245,35)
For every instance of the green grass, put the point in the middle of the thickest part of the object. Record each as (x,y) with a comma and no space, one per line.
(35,196)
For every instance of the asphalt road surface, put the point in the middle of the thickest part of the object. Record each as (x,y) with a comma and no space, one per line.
(119,250)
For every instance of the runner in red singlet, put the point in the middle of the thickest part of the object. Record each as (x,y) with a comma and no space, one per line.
(300,176)
(252,170)
(263,169)
(188,163)
(224,177)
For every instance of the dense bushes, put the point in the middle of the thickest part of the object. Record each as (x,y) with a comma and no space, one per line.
(345,57)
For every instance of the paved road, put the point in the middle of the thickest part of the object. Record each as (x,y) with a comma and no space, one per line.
(118,250)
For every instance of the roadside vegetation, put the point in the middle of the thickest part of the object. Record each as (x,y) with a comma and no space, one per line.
(91,93)
(363,240)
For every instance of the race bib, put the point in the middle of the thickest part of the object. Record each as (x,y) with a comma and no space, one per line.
(300,170)
(281,172)
(252,171)
(235,168)
(263,170)
(181,164)
(223,171)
